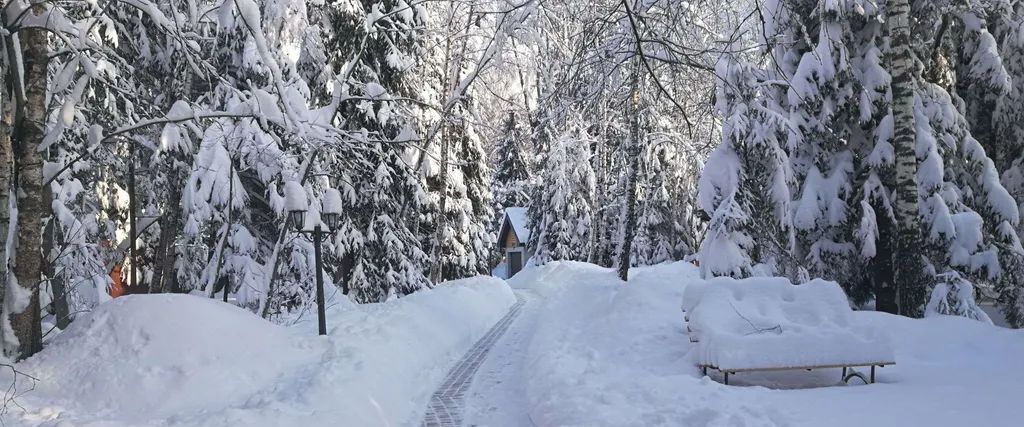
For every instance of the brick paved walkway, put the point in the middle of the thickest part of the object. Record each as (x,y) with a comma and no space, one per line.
(446,405)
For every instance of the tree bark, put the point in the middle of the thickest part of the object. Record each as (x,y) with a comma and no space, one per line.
(436,267)
(633,159)
(24,314)
(882,266)
(58,287)
(7,103)
(907,259)
(166,278)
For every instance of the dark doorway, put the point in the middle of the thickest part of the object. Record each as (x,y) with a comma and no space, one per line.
(515,262)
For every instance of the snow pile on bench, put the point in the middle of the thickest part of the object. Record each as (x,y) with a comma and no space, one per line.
(768,323)
(692,294)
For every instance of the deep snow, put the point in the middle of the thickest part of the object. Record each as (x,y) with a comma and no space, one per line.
(587,350)
(187,360)
(612,354)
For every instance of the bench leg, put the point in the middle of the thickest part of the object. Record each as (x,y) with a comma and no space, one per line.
(726,378)
(704,370)
(872,374)
(844,373)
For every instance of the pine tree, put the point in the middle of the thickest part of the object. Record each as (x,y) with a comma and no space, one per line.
(995,114)
(512,171)
(861,129)
(563,208)
(745,185)
(381,253)
(656,228)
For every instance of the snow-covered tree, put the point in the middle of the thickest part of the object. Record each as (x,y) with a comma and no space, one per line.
(512,170)
(745,184)
(563,208)
(884,163)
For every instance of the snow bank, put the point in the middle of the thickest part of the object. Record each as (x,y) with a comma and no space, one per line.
(186,360)
(130,354)
(761,323)
(612,354)
(553,277)
(608,353)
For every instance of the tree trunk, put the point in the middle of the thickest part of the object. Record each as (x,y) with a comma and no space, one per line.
(907,259)
(881,266)
(633,159)
(57,286)
(133,225)
(7,103)
(165,275)
(344,272)
(222,247)
(24,310)
(437,265)
(597,232)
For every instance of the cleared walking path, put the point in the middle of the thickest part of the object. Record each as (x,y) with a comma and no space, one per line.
(485,388)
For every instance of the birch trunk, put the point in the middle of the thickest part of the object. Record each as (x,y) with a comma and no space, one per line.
(7,103)
(908,265)
(633,159)
(23,296)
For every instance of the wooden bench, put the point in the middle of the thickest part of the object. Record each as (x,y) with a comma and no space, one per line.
(768,324)
(848,372)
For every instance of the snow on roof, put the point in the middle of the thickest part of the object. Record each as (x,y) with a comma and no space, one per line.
(517,218)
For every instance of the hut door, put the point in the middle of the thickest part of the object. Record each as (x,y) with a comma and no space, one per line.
(515,262)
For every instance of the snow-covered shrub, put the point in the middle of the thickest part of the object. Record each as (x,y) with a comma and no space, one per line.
(954,296)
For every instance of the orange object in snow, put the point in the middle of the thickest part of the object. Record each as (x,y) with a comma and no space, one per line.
(116,289)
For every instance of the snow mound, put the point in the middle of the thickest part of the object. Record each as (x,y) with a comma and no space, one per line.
(608,353)
(611,354)
(179,360)
(132,354)
(551,278)
(762,323)
(691,296)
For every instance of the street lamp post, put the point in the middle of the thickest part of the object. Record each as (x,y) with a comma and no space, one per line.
(331,216)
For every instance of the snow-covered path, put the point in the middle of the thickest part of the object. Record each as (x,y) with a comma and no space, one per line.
(497,397)
(486,387)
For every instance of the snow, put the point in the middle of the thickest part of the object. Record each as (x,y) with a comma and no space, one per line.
(180,111)
(586,350)
(517,218)
(332,201)
(128,355)
(498,395)
(374,90)
(761,323)
(607,353)
(187,360)
(692,295)
(267,106)
(295,197)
